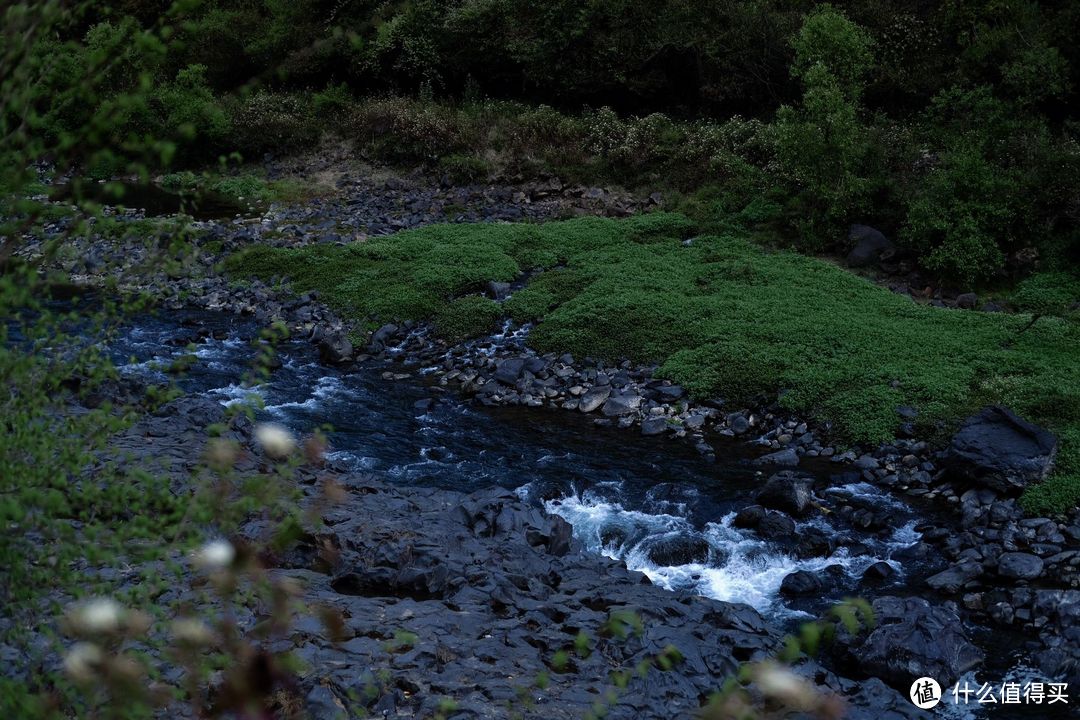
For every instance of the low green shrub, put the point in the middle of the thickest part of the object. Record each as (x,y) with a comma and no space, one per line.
(332,101)
(188,109)
(272,122)
(464,169)
(467,317)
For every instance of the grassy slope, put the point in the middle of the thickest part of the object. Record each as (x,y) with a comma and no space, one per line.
(722,315)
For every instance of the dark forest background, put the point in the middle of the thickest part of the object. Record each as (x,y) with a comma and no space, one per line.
(950,125)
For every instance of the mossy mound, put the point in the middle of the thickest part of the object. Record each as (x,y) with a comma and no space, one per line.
(719,314)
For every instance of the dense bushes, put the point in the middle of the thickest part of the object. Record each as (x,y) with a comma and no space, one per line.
(947,125)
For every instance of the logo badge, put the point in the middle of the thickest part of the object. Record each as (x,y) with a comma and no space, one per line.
(925,693)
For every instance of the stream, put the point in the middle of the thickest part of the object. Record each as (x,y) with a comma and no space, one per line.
(654,504)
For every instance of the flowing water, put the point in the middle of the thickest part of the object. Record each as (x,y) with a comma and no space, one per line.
(652,503)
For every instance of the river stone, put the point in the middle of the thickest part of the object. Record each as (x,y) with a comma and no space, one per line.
(383,335)
(621,405)
(654,426)
(670,393)
(678,550)
(801,582)
(785,457)
(1019,566)
(910,639)
(498,290)
(787,491)
(509,370)
(749,517)
(867,245)
(814,542)
(335,348)
(997,448)
(879,573)
(968,301)
(593,398)
(776,526)
(953,579)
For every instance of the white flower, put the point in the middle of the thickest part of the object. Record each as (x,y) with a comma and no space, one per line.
(781,684)
(214,555)
(276,441)
(191,631)
(82,660)
(96,616)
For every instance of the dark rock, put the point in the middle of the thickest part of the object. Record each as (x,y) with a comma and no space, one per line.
(776,526)
(335,348)
(678,550)
(1001,450)
(739,424)
(866,462)
(867,245)
(878,574)
(593,398)
(498,290)
(968,301)
(621,405)
(801,582)
(786,457)
(787,491)
(654,426)
(382,336)
(749,517)
(1019,566)
(508,371)
(814,542)
(953,579)
(670,393)
(910,639)
(194,412)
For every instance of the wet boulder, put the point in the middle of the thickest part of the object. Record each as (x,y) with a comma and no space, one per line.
(879,573)
(776,526)
(999,449)
(910,639)
(335,348)
(953,579)
(749,517)
(678,550)
(383,336)
(786,491)
(654,425)
(814,542)
(801,582)
(498,291)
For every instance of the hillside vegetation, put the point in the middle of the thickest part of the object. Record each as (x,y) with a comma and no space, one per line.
(951,126)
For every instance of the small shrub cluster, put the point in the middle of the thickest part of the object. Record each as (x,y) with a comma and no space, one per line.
(270,122)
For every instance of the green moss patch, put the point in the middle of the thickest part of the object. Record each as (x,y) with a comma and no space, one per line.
(720,315)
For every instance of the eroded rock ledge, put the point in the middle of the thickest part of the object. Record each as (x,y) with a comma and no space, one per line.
(493,587)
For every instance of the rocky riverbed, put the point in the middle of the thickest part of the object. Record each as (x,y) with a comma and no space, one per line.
(973,564)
